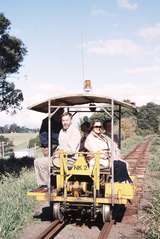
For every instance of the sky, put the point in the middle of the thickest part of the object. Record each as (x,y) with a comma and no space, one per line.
(119,41)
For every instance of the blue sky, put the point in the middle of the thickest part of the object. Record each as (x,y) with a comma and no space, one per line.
(121,49)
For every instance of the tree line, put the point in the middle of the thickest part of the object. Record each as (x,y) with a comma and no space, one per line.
(145,120)
(14,128)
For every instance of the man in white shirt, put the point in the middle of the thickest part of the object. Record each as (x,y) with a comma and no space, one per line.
(69,140)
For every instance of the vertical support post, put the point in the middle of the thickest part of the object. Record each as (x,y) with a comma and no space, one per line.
(49,145)
(2,149)
(119,137)
(112,153)
(34,153)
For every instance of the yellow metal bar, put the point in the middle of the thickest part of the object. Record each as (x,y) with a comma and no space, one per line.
(61,170)
(64,159)
(97,170)
(121,190)
(45,197)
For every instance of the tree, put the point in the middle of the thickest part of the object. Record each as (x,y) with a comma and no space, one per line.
(148,117)
(12,52)
(128,126)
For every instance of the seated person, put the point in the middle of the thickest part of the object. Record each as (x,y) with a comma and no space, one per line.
(85,129)
(69,141)
(41,165)
(95,142)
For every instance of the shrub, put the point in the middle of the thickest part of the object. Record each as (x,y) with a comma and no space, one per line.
(15,207)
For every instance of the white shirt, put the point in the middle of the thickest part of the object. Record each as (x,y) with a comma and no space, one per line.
(95,143)
(69,140)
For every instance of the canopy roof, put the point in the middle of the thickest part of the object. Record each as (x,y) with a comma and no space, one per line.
(77,99)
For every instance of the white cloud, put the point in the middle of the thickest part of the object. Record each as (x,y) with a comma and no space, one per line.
(100,12)
(150,33)
(143,70)
(128,5)
(34,93)
(115,47)
(23,118)
(116,25)
(38,90)
(140,95)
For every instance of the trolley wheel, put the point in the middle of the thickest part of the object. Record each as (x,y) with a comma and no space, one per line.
(58,212)
(106,213)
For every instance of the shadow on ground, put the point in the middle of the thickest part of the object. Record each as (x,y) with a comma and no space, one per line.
(45,215)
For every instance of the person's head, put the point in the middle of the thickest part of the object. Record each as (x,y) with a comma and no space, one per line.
(45,151)
(66,120)
(85,127)
(97,127)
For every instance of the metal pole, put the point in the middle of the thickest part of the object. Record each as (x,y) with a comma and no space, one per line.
(49,144)
(2,149)
(113,152)
(119,137)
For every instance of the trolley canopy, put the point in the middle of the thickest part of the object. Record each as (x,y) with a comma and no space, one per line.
(77,99)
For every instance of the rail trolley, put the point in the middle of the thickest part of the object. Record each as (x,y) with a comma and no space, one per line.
(80,188)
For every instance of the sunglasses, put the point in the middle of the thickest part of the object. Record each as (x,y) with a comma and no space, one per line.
(97,126)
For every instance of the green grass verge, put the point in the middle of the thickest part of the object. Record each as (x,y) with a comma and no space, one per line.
(15,207)
(154,212)
(154,163)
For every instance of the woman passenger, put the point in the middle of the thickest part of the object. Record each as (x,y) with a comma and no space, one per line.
(95,142)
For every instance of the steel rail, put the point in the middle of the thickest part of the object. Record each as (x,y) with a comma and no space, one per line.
(106,230)
(137,160)
(137,156)
(52,230)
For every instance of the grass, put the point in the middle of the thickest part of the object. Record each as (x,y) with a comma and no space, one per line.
(154,212)
(154,216)
(154,164)
(15,207)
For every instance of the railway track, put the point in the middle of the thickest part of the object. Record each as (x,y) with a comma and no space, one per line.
(106,230)
(137,161)
(51,231)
